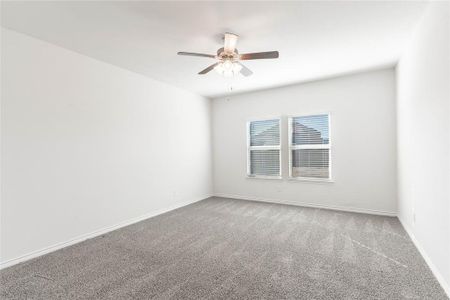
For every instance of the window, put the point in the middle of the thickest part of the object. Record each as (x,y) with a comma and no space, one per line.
(309,147)
(263,153)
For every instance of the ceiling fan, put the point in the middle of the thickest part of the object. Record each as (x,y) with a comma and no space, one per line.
(228,58)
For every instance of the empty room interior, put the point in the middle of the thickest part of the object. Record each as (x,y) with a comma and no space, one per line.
(225,150)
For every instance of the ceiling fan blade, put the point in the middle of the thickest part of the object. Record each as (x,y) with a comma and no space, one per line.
(208,69)
(230,40)
(245,71)
(196,54)
(259,55)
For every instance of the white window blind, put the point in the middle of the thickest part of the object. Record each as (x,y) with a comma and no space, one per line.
(309,143)
(263,153)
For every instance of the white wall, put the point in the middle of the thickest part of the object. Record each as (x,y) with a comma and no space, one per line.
(363,138)
(423,93)
(87,145)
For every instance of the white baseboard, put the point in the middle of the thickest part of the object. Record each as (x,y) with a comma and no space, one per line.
(427,259)
(92,234)
(95,233)
(295,203)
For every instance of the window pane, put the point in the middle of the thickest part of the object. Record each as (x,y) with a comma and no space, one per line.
(310,130)
(310,163)
(265,162)
(265,133)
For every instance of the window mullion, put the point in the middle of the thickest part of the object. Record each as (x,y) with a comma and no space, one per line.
(312,146)
(264,148)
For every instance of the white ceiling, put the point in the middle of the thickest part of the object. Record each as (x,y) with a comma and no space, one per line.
(315,39)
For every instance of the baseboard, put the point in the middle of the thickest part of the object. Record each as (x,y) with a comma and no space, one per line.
(93,234)
(427,259)
(295,203)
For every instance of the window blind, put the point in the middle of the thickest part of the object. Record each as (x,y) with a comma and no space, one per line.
(263,153)
(265,133)
(265,162)
(310,147)
(310,130)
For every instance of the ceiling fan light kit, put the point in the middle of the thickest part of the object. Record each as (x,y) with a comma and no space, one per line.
(228,68)
(228,57)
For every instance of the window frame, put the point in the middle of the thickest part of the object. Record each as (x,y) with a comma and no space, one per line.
(250,148)
(311,146)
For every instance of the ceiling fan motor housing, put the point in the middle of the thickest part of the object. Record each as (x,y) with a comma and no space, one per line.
(221,54)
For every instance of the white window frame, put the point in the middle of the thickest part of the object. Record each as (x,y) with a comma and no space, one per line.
(250,148)
(314,146)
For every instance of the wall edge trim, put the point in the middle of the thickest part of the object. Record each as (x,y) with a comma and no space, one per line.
(95,233)
(445,286)
(305,204)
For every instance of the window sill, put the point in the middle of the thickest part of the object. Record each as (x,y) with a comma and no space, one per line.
(308,179)
(264,177)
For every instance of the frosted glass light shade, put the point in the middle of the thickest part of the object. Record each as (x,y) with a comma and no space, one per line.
(228,68)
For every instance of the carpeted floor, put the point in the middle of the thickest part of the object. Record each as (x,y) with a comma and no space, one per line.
(232,249)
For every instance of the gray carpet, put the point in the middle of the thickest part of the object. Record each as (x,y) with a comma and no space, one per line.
(232,249)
